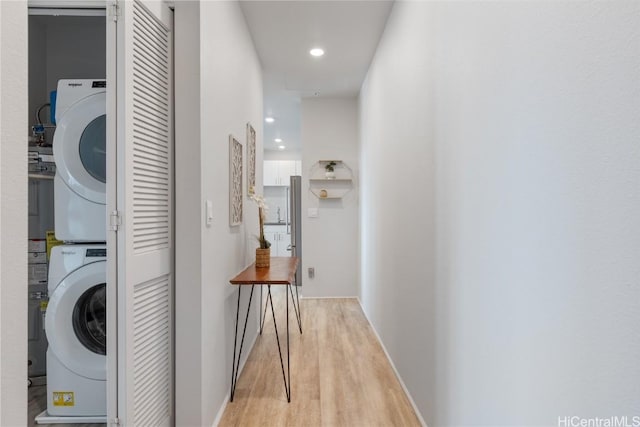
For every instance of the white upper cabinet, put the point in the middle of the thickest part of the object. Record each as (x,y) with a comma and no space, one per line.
(270,171)
(277,172)
(286,169)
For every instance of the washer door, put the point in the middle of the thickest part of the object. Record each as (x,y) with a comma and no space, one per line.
(76,321)
(79,147)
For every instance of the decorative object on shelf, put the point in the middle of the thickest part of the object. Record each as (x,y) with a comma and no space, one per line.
(235,182)
(329,170)
(323,194)
(263,253)
(251,160)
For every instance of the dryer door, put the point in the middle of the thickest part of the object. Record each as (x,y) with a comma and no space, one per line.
(79,147)
(76,321)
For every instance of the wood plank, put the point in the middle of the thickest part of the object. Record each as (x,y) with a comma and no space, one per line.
(340,375)
(281,272)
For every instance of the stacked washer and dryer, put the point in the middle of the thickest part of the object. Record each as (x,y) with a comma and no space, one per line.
(76,315)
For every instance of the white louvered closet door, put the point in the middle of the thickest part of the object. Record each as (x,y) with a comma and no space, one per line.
(145,276)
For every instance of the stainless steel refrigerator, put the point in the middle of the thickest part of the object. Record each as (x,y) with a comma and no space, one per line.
(295,220)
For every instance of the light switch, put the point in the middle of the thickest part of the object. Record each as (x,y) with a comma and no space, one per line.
(312,212)
(208,212)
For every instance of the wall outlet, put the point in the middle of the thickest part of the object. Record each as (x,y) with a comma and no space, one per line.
(312,272)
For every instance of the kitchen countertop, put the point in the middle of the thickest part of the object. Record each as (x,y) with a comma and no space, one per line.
(275,223)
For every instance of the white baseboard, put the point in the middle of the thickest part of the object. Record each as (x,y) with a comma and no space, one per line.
(330,298)
(393,366)
(220,413)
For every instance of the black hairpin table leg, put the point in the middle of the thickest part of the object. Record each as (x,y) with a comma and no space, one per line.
(263,315)
(287,382)
(235,366)
(296,307)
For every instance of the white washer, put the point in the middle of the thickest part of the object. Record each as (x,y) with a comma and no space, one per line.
(76,329)
(79,150)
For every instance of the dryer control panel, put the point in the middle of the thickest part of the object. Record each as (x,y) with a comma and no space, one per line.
(96,253)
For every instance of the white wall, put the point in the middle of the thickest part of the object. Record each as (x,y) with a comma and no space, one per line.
(507,293)
(75,48)
(222,81)
(330,241)
(189,216)
(63,47)
(13,209)
(397,214)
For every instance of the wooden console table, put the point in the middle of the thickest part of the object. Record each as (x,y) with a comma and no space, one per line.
(281,272)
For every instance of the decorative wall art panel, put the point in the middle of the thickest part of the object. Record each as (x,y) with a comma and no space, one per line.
(235,182)
(251,160)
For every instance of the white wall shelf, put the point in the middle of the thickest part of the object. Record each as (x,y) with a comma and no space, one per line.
(330,180)
(329,195)
(324,162)
(330,188)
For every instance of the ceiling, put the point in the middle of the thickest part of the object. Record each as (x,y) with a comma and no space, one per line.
(284,32)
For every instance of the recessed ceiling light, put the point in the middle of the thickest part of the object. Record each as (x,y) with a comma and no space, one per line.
(278,140)
(269,119)
(316,51)
(281,147)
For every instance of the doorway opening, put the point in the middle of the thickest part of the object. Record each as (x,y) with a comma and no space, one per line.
(67,216)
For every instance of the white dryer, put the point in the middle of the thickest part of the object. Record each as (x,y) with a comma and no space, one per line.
(79,150)
(76,329)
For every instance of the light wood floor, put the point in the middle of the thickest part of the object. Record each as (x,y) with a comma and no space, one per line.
(340,374)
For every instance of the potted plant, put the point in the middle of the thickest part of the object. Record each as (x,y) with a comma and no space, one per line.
(329,170)
(263,252)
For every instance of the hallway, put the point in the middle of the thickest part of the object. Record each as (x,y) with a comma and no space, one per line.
(340,374)
(491,230)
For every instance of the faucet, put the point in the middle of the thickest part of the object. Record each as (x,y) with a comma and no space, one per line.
(279,220)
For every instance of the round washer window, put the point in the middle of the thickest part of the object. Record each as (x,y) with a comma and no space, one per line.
(90,319)
(93,153)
